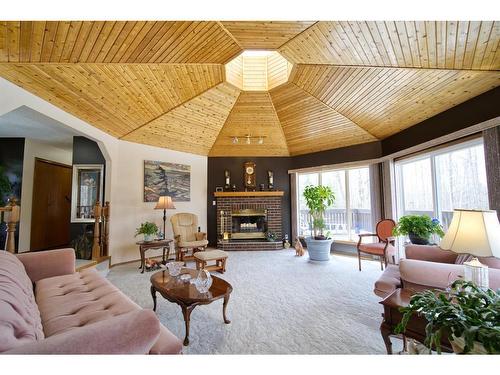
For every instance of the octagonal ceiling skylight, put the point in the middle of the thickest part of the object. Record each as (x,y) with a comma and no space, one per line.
(255,70)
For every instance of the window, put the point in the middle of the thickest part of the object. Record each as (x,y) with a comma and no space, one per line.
(439,181)
(351,212)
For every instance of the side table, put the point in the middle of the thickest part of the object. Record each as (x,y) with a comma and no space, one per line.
(392,316)
(156,244)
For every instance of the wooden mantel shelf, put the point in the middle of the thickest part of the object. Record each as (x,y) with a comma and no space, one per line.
(248,194)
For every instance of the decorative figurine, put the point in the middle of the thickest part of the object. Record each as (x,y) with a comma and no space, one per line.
(227,178)
(286,244)
(270,179)
(261,186)
(234,187)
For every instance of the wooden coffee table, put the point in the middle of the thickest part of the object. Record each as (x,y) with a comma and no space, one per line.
(187,296)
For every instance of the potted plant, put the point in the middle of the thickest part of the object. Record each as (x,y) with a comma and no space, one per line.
(148,229)
(418,228)
(318,199)
(468,315)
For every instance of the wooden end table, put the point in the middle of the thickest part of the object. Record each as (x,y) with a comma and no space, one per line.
(392,316)
(156,244)
(187,296)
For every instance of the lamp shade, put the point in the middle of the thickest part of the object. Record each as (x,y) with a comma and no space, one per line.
(164,203)
(473,232)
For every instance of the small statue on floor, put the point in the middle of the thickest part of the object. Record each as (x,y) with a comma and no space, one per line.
(299,249)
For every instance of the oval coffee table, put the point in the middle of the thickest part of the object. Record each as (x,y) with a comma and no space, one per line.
(186,295)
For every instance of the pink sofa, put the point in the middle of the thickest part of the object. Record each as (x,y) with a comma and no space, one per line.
(429,267)
(48,308)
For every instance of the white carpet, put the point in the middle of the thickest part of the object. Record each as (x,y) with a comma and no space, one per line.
(281,304)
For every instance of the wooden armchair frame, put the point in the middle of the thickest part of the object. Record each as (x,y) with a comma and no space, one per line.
(381,239)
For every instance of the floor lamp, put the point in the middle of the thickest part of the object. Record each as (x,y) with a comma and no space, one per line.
(474,232)
(164,203)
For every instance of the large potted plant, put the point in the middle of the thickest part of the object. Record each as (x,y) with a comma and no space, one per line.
(418,228)
(468,315)
(318,199)
(148,229)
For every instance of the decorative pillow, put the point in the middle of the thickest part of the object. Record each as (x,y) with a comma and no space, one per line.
(462,258)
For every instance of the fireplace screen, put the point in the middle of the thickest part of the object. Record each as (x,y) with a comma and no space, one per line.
(249,223)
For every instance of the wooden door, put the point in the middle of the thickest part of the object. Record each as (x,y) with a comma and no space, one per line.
(51,208)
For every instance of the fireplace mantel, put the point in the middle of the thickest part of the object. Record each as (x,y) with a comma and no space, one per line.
(248,193)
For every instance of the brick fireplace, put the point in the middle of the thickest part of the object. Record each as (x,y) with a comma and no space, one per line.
(244,218)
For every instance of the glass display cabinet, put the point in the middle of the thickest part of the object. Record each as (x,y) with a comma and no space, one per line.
(87,189)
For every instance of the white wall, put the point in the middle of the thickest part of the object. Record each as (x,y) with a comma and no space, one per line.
(34,149)
(124,174)
(128,207)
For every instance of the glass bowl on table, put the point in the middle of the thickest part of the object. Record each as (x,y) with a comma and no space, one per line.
(174,268)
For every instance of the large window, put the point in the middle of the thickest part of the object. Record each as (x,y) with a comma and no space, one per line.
(437,182)
(351,212)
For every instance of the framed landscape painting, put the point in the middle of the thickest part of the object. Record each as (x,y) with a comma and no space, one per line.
(161,178)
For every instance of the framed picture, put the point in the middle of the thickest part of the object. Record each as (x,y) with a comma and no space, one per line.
(87,187)
(162,178)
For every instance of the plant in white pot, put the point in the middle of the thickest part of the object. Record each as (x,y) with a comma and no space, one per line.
(318,199)
(148,229)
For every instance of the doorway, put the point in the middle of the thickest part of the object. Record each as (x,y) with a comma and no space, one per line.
(51,207)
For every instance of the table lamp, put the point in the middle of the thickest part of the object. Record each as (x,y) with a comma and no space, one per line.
(164,203)
(477,233)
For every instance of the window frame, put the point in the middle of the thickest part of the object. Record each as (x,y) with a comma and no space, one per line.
(319,173)
(431,154)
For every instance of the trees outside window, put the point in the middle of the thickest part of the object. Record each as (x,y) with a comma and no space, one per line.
(351,212)
(440,181)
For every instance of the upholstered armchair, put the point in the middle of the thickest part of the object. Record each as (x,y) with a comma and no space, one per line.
(385,245)
(186,235)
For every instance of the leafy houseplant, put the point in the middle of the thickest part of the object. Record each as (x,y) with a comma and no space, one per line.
(418,227)
(468,315)
(271,236)
(318,199)
(148,229)
(5,187)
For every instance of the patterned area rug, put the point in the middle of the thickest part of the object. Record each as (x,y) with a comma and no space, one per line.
(281,304)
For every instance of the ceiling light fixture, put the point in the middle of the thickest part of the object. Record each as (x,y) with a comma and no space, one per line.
(259,139)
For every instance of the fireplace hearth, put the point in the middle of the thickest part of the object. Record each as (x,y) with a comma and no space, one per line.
(249,223)
(244,220)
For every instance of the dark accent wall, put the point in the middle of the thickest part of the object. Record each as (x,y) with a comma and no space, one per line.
(11,165)
(86,151)
(216,167)
(365,151)
(474,111)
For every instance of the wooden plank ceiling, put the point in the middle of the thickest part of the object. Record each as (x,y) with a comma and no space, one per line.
(254,115)
(165,84)
(192,126)
(411,44)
